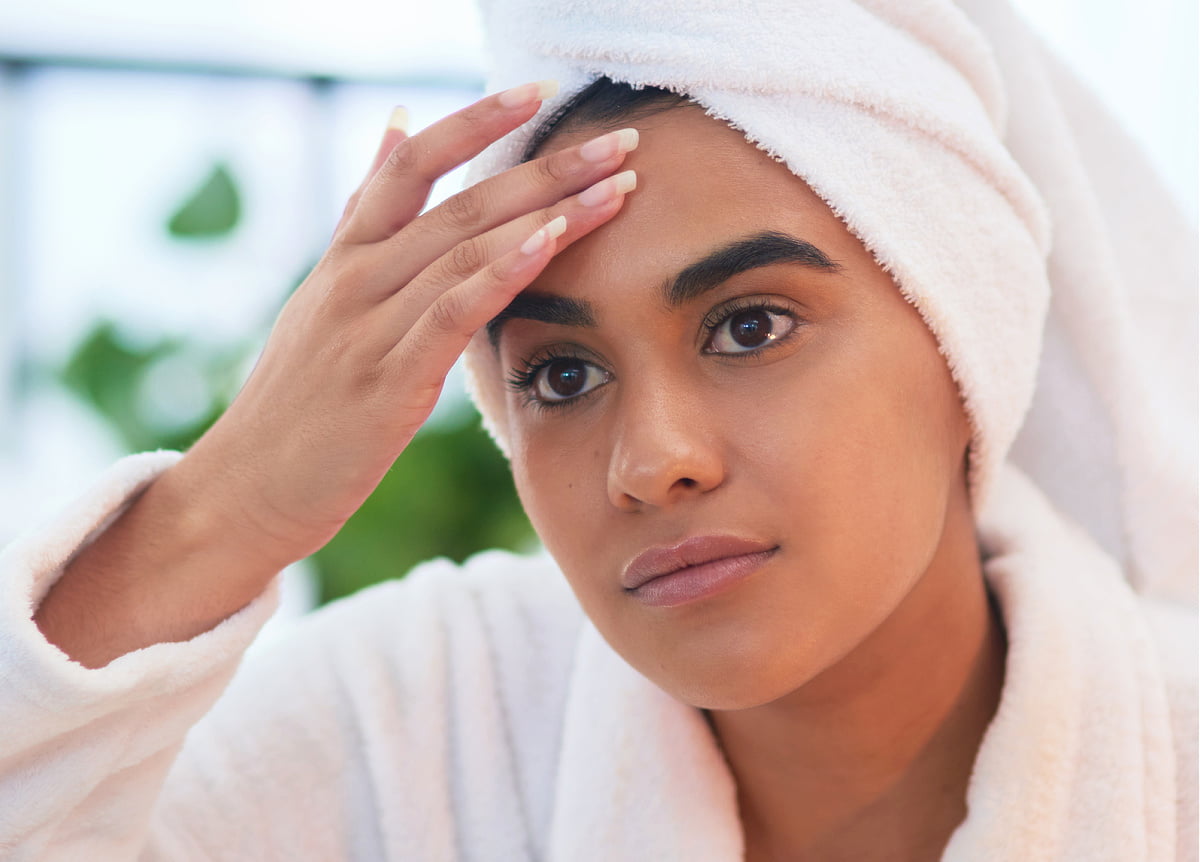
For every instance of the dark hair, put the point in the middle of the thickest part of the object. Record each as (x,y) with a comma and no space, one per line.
(605,103)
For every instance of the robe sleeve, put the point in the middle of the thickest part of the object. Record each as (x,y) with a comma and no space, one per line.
(417,719)
(84,752)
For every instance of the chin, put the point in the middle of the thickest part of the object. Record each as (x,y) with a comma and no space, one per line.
(733,681)
(729,695)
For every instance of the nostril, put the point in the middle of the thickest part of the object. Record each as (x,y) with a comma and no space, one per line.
(661,466)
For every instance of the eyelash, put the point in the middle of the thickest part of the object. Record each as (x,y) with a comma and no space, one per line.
(521,380)
(722,313)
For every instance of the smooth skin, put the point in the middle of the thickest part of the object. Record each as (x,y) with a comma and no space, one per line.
(850,679)
(353,367)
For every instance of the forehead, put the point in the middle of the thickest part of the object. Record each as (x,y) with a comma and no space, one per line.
(700,184)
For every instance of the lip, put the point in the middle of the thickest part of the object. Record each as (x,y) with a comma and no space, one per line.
(692,569)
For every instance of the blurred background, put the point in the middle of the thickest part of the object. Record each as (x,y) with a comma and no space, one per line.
(170,171)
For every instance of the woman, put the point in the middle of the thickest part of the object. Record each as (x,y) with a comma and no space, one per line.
(758,380)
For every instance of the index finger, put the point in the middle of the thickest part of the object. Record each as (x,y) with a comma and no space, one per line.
(401,186)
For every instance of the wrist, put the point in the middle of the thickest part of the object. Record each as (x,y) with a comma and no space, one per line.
(214,519)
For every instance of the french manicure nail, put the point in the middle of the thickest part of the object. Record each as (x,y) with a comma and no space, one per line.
(553,229)
(556,227)
(607,146)
(607,189)
(399,119)
(519,97)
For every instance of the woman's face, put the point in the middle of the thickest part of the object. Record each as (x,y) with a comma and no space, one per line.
(724,359)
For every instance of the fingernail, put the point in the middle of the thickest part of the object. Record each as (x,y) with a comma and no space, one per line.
(553,229)
(519,97)
(606,146)
(607,189)
(399,119)
(556,227)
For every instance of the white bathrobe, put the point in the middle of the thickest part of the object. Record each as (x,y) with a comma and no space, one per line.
(474,713)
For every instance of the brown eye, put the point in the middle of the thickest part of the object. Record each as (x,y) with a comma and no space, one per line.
(567,378)
(748,330)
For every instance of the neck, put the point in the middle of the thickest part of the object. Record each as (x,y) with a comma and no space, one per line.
(871,759)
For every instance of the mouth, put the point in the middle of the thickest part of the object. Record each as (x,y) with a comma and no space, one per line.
(693,569)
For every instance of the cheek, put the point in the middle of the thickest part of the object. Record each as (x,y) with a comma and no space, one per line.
(561,484)
(859,459)
(895,452)
(558,477)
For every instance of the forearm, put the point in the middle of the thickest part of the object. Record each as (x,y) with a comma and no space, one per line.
(172,566)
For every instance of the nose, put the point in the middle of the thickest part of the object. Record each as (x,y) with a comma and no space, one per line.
(664,452)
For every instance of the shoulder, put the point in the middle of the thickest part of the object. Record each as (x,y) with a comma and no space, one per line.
(510,617)
(1175,631)
(496,587)
(503,603)
(448,651)
(475,662)
(419,697)
(517,607)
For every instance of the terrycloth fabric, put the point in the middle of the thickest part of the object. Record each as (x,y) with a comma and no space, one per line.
(955,147)
(83,752)
(474,714)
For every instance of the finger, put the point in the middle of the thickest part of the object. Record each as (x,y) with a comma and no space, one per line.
(584,212)
(401,186)
(505,197)
(446,231)
(396,131)
(425,354)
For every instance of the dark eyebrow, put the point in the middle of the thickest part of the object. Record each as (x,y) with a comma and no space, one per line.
(761,249)
(544,308)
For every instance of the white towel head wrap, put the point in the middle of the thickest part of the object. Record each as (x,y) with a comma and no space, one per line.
(952,146)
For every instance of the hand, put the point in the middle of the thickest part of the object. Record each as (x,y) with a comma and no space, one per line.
(359,354)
